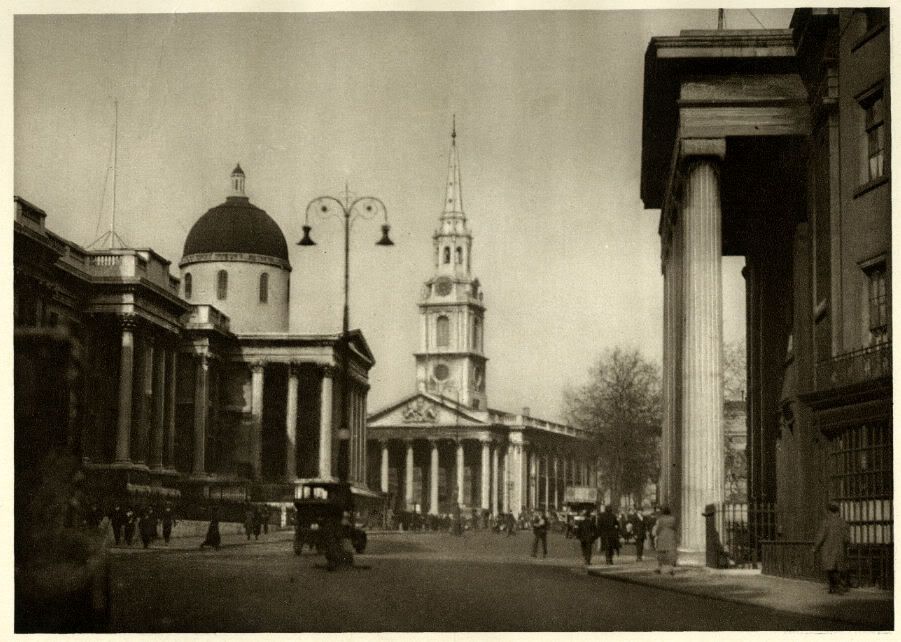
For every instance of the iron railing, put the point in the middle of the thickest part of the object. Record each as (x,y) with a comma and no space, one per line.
(742,527)
(855,367)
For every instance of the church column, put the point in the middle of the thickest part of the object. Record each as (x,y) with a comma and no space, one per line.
(486,473)
(702,394)
(291,425)
(325,422)
(433,482)
(126,375)
(383,473)
(507,477)
(171,403)
(201,370)
(257,381)
(159,407)
(408,478)
(461,468)
(547,481)
(533,480)
(144,372)
(495,479)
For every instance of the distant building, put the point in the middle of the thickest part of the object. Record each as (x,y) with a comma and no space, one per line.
(443,445)
(192,388)
(773,145)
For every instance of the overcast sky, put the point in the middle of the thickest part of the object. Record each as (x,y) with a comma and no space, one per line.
(548,108)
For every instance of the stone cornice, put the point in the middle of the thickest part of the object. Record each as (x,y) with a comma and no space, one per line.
(233,257)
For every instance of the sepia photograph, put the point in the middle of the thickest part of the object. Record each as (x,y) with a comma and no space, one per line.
(469,319)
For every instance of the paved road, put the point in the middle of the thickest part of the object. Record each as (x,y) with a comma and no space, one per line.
(408,582)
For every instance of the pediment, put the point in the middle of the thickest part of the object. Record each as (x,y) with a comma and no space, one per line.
(423,410)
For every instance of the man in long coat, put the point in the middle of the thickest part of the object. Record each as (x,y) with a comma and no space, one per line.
(609,532)
(586,532)
(832,542)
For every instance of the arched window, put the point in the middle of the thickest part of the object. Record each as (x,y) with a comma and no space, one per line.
(459,256)
(264,287)
(447,255)
(222,285)
(476,331)
(443,332)
(188,285)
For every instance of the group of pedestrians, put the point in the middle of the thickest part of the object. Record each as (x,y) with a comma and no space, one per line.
(125,521)
(606,528)
(256,520)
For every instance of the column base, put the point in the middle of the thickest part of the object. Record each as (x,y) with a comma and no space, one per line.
(691,557)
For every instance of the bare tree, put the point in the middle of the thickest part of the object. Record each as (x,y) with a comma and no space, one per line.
(735,371)
(620,404)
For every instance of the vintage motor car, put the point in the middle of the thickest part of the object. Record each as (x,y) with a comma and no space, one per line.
(324,520)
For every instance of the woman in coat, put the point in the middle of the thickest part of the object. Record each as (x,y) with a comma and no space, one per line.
(831,542)
(212,533)
(664,534)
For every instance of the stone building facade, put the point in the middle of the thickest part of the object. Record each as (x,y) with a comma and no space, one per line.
(774,145)
(193,389)
(443,446)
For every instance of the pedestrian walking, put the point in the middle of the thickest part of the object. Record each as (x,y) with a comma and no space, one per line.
(640,532)
(257,524)
(168,520)
(212,532)
(511,525)
(249,518)
(539,533)
(832,543)
(586,532)
(664,534)
(147,526)
(609,533)
(117,521)
(129,525)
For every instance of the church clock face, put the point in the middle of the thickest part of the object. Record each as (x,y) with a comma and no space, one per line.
(443,286)
(441,372)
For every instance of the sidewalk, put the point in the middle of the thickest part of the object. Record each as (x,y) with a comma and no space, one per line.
(865,607)
(229,540)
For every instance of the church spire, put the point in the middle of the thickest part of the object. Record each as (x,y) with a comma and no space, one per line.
(453,204)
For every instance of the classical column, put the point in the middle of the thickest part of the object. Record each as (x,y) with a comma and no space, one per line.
(126,375)
(702,393)
(383,473)
(171,403)
(325,422)
(507,477)
(200,413)
(547,481)
(257,381)
(434,476)
(495,479)
(556,483)
(486,473)
(291,424)
(460,472)
(534,471)
(141,423)
(408,478)
(159,408)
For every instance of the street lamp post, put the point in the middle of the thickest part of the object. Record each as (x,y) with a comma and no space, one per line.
(365,208)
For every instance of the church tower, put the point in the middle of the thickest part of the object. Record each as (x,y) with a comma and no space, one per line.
(451,360)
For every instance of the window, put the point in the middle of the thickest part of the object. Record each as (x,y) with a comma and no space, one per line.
(877,297)
(873,147)
(443,332)
(264,287)
(447,255)
(459,256)
(476,326)
(188,285)
(222,285)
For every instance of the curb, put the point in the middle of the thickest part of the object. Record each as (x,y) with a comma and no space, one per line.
(675,588)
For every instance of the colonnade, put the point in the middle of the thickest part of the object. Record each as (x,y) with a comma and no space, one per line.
(508,475)
(145,430)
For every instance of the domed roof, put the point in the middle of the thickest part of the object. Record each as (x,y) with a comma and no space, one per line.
(237,226)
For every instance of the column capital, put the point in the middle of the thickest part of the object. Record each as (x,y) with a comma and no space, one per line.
(203,360)
(690,148)
(328,370)
(293,368)
(257,366)
(128,322)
